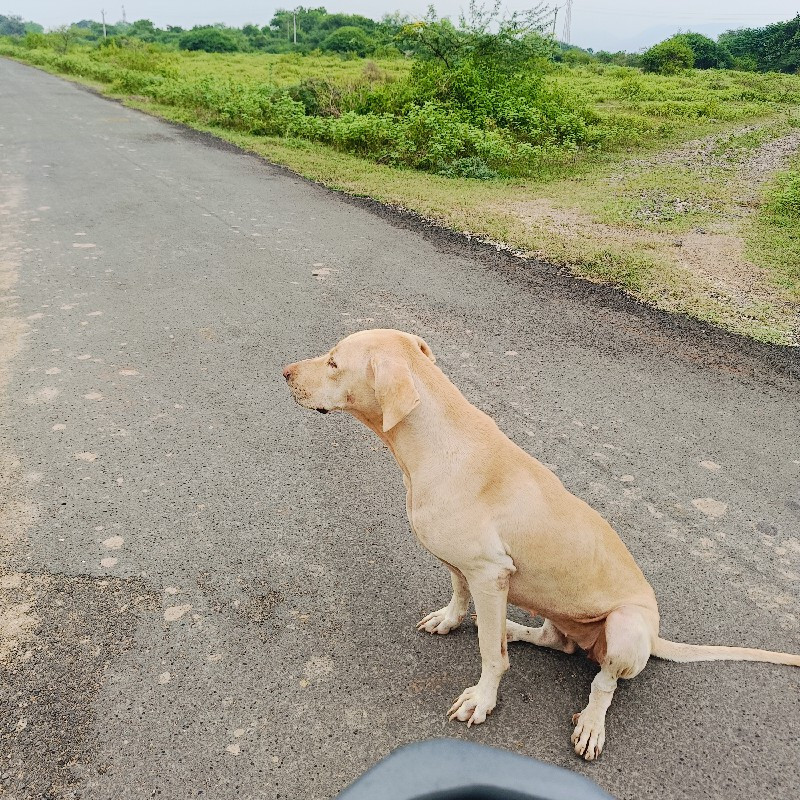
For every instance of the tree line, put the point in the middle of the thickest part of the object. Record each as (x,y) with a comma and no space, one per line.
(773,48)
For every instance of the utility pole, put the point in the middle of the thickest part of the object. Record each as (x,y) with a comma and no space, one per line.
(294,21)
(555,17)
(103,15)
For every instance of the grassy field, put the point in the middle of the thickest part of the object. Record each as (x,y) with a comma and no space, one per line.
(286,70)
(684,190)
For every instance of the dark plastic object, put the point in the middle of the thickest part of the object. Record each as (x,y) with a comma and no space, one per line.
(450,769)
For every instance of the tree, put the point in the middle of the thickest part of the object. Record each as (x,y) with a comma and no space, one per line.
(620,58)
(11,26)
(668,57)
(255,38)
(143,29)
(63,36)
(707,53)
(211,40)
(518,39)
(348,40)
(569,54)
(775,48)
(433,40)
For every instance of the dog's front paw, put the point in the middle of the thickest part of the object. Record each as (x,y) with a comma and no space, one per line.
(589,735)
(442,621)
(473,706)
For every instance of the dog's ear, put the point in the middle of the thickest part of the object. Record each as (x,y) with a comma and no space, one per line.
(426,350)
(394,389)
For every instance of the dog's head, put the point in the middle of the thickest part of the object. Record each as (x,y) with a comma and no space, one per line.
(370,374)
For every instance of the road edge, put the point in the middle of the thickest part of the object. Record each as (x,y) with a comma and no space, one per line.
(781,360)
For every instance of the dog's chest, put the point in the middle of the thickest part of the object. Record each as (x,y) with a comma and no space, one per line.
(433,527)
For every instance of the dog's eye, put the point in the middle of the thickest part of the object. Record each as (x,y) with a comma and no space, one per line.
(332,363)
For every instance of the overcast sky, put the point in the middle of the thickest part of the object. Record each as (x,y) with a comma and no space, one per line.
(599,24)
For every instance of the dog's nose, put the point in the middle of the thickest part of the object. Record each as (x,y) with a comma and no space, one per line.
(287,372)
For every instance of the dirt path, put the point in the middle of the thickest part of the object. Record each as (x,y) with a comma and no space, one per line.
(713,253)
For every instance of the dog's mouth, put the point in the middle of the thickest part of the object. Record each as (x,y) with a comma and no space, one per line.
(304,401)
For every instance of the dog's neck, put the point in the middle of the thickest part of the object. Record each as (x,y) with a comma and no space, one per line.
(424,439)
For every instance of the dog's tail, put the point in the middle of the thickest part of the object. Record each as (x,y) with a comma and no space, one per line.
(676,651)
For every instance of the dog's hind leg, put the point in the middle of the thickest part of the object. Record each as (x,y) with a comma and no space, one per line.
(452,615)
(628,638)
(546,635)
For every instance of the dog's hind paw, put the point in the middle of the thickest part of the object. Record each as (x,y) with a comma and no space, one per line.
(589,735)
(473,706)
(442,621)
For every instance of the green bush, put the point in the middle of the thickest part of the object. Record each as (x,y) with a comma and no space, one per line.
(784,205)
(773,48)
(211,40)
(34,41)
(668,58)
(469,167)
(777,231)
(492,108)
(141,57)
(527,108)
(706,52)
(348,39)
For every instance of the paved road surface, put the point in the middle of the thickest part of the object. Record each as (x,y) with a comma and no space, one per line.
(213,593)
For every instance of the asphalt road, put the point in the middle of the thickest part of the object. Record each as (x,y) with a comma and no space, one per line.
(209,592)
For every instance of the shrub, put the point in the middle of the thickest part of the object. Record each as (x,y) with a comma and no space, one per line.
(668,57)
(319,97)
(784,204)
(212,40)
(348,39)
(62,38)
(469,167)
(707,53)
(34,41)
(139,57)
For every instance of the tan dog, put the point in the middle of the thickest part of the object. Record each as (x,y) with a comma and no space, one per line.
(503,525)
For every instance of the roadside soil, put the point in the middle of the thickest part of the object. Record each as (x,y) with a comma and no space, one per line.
(712,253)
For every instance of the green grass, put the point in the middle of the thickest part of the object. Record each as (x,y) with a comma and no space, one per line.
(615,214)
(283,70)
(738,145)
(773,238)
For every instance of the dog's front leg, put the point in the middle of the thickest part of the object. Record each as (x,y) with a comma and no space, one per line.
(490,595)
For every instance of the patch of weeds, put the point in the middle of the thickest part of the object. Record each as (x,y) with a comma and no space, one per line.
(470,167)
(656,205)
(630,270)
(669,198)
(774,238)
(739,145)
